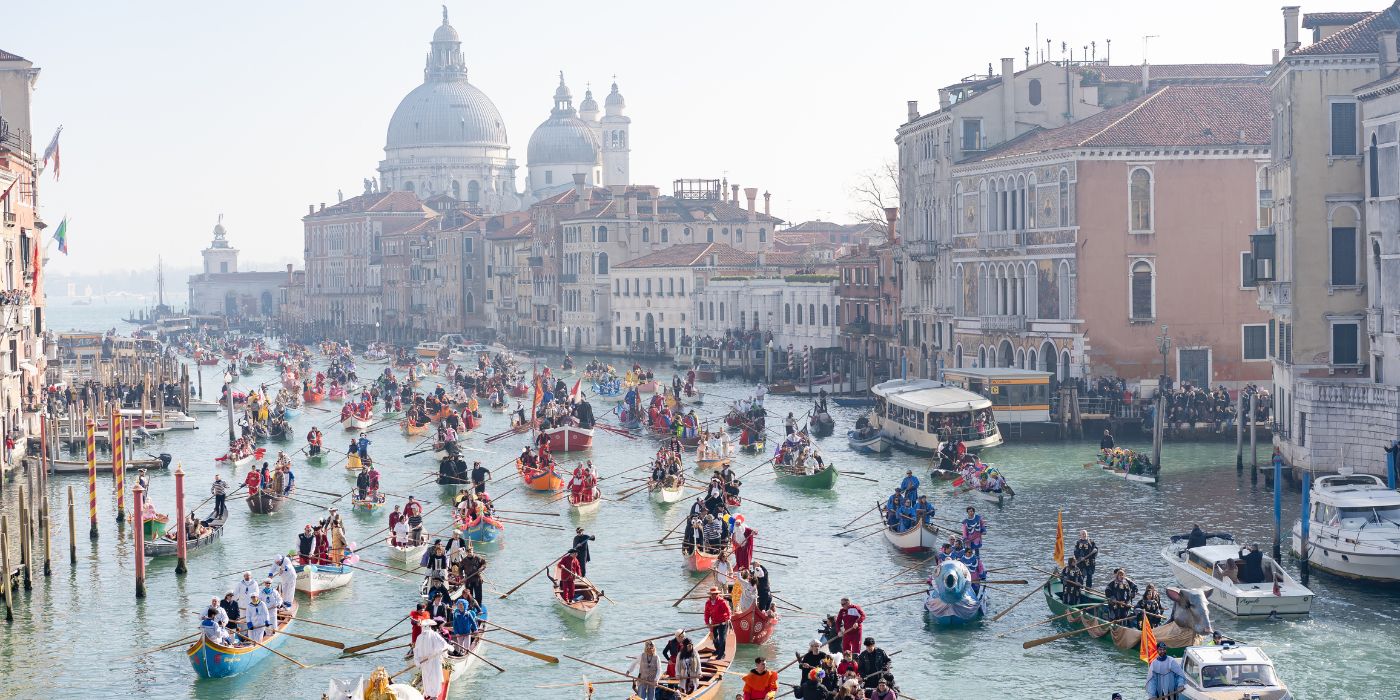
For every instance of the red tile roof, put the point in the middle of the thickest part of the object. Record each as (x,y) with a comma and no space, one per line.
(1313,20)
(692,255)
(1172,116)
(1359,38)
(378,202)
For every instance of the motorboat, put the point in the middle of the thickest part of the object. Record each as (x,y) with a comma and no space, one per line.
(1278,594)
(919,415)
(1230,672)
(1354,530)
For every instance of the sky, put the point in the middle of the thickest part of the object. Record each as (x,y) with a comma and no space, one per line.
(175,112)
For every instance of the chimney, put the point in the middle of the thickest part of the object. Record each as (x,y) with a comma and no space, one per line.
(1146,78)
(581,193)
(289,274)
(1275,56)
(752,194)
(1389,59)
(1290,29)
(913,110)
(944,99)
(767,199)
(1008,99)
(323,206)
(734,196)
(310,209)
(892,216)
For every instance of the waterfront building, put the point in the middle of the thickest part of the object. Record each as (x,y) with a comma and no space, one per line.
(508,238)
(1077,244)
(1322,258)
(23,351)
(975,115)
(222,289)
(799,310)
(435,277)
(868,311)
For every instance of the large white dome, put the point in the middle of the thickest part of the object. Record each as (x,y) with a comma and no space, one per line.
(446,113)
(564,138)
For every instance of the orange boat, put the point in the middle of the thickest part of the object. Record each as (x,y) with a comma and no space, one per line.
(313,396)
(699,561)
(753,626)
(540,481)
(410,429)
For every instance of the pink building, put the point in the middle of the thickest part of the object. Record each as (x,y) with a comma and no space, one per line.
(1077,244)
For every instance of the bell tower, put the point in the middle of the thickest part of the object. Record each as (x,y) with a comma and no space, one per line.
(220,257)
(617,144)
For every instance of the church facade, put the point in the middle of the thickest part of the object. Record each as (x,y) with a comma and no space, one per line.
(242,297)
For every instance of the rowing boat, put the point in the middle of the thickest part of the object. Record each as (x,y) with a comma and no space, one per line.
(374,501)
(581,608)
(354,422)
(74,466)
(264,503)
(317,459)
(319,578)
(485,529)
(712,668)
(587,507)
(823,479)
(922,538)
(411,555)
(754,626)
(699,561)
(869,443)
(213,660)
(1170,636)
(537,480)
(167,546)
(665,495)
(243,461)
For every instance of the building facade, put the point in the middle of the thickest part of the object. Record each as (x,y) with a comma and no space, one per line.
(435,277)
(222,289)
(799,310)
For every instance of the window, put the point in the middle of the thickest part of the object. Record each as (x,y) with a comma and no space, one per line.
(812,314)
(738,235)
(1273,337)
(468,245)
(682,292)
(1344,128)
(646,234)
(1345,343)
(665,235)
(1034,90)
(762,235)
(799,314)
(1142,292)
(602,263)
(473,191)
(1256,340)
(1266,199)
(1064,198)
(1373,167)
(826,315)
(1344,256)
(1140,201)
(549,177)
(602,234)
(1247,280)
(709,235)
(787,313)
(972,134)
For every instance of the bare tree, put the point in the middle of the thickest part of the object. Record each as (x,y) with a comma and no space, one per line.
(873,192)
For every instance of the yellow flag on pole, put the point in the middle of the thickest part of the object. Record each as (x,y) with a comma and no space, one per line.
(1147,646)
(1060,538)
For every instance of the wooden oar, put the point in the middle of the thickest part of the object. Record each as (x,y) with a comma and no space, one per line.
(862,515)
(359,647)
(682,521)
(1073,609)
(163,647)
(317,640)
(868,534)
(1045,640)
(348,655)
(531,576)
(521,635)
(858,529)
(528,512)
(906,595)
(268,648)
(605,668)
(542,657)
(649,639)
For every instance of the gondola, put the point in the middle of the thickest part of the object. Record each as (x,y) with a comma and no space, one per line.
(754,626)
(484,529)
(712,668)
(243,461)
(824,478)
(213,660)
(915,540)
(581,609)
(410,428)
(412,555)
(264,503)
(668,495)
(167,546)
(699,561)
(1171,637)
(822,424)
(587,507)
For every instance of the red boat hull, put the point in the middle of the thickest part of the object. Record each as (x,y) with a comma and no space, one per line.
(569,439)
(753,626)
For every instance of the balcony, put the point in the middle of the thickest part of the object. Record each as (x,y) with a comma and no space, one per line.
(11,218)
(14,140)
(1275,294)
(922,251)
(881,331)
(1004,324)
(856,328)
(506,271)
(1002,240)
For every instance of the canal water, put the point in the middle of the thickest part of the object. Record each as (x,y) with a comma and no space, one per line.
(72,629)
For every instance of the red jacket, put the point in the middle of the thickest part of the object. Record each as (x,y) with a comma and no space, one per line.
(716,611)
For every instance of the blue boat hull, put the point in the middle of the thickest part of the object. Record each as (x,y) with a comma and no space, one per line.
(213,661)
(484,532)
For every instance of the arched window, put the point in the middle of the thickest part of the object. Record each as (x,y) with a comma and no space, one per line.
(1064,198)
(787,313)
(762,235)
(471,303)
(665,236)
(671,286)
(473,191)
(721,311)
(710,235)
(812,314)
(468,273)
(826,315)
(1142,297)
(456,190)
(408,185)
(648,286)
(682,286)
(646,234)
(602,234)
(686,232)
(957,355)
(1064,292)
(799,314)
(602,263)
(1034,89)
(1140,201)
(712,311)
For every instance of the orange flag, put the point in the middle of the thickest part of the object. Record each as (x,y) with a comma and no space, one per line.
(1060,538)
(1147,646)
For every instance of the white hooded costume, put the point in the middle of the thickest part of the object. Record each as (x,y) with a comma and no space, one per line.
(287,573)
(428,653)
(244,590)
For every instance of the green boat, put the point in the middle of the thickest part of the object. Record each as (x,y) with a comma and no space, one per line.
(316,460)
(824,479)
(1170,636)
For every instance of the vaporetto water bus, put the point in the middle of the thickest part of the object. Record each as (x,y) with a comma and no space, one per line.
(920,414)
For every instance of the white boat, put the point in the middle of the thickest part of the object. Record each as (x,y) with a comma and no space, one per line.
(581,609)
(428,350)
(376,359)
(921,538)
(662,494)
(1200,567)
(318,578)
(459,666)
(912,413)
(408,555)
(586,507)
(870,443)
(1230,672)
(202,406)
(1355,528)
(353,422)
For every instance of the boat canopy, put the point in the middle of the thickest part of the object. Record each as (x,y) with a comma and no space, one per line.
(928,395)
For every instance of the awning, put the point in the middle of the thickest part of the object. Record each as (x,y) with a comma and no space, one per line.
(29,368)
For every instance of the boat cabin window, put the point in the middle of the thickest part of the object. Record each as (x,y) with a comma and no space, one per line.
(1221,675)
(1381,515)
(1188,665)
(1324,514)
(907,416)
(1017,394)
(1200,561)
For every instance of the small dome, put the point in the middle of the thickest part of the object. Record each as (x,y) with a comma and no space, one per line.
(588,104)
(563,139)
(446,33)
(446,113)
(219,230)
(615,98)
(562,92)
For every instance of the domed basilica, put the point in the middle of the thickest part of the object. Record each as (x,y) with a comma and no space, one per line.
(447,137)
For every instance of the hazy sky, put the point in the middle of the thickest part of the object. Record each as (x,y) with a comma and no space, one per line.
(177,111)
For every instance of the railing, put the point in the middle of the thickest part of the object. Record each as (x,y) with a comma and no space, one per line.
(884,331)
(14,140)
(922,250)
(1275,294)
(856,328)
(997,240)
(1004,323)
(535,261)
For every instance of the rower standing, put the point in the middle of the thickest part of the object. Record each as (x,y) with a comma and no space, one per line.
(1120,593)
(1086,552)
(480,475)
(580,545)
(220,491)
(1107,442)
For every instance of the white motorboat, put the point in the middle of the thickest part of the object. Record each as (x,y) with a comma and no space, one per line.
(202,406)
(1355,528)
(408,555)
(1204,567)
(1230,672)
(319,578)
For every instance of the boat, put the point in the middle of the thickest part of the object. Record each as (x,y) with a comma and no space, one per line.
(569,438)
(868,442)
(202,406)
(213,660)
(1200,566)
(607,395)
(537,480)
(428,349)
(455,667)
(647,387)
(75,466)
(375,359)
(484,529)
(1132,466)
(587,507)
(706,372)
(824,478)
(752,447)
(1189,604)
(712,667)
(243,461)
(853,401)
(921,538)
(1229,672)
(699,561)
(313,395)
(319,578)
(1353,531)
(822,423)
(354,422)
(264,503)
(374,501)
(409,428)
(167,546)
(518,390)
(707,459)
(411,555)
(317,459)
(952,598)
(583,608)
(754,626)
(666,495)
(336,393)
(997,498)
(906,406)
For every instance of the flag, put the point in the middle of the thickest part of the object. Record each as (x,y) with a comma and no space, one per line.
(51,151)
(6,194)
(1147,645)
(576,394)
(35,290)
(1060,538)
(539,396)
(61,235)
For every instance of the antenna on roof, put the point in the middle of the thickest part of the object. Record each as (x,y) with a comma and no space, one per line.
(1144,45)
(1108,51)
(1037,42)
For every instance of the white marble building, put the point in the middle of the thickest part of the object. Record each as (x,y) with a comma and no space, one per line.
(800,310)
